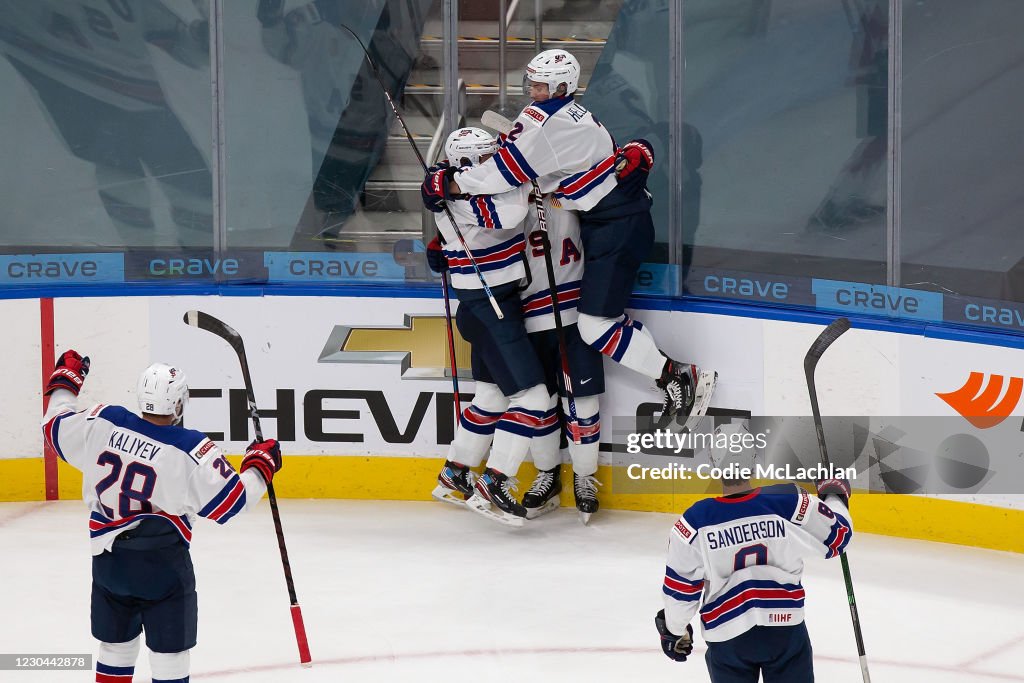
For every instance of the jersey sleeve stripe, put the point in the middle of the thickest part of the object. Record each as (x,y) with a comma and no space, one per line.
(521,161)
(51,434)
(578,185)
(216,501)
(228,501)
(235,509)
(505,171)
(838,538)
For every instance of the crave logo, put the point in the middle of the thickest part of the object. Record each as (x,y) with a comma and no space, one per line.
(982,402)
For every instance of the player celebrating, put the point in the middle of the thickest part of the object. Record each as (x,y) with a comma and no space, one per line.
(740,558)
(560,144)
(144,480)
(510,395)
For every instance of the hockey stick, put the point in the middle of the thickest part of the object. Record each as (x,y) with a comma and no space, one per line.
(827,337)
(451,347)
(207,322)
(423,163)
(496,121)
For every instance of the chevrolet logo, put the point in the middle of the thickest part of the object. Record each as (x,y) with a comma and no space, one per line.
(419,346)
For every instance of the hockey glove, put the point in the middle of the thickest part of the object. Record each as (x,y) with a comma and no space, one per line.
(434,189)
(265,456)
(834,487)
(635,155)
(69,373)
(436,259)
(675,647)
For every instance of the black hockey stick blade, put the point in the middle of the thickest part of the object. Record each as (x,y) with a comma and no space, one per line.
(834,331)
(205,321)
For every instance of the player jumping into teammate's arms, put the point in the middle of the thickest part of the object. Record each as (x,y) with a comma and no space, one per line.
(144,481)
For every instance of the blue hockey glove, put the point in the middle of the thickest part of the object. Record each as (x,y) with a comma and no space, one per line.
(675,647)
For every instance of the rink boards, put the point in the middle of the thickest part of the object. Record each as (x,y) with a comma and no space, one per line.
(359,399)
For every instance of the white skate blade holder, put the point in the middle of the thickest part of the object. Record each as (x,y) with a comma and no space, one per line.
(447,495)
(702,399)
(585,517)
(534,513)
(482,506)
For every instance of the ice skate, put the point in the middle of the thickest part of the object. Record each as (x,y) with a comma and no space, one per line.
(454,483)
(688,392)
(585,489)
(543,494)
(493,498)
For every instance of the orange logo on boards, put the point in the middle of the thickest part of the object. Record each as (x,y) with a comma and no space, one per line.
(979,403)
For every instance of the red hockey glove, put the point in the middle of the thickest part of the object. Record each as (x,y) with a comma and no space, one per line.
(69,373)
(265,456)
(436,259)
(675,647)
(636,154)
(834,487)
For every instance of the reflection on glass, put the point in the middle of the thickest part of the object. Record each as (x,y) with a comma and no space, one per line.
(789,98)
(106,109)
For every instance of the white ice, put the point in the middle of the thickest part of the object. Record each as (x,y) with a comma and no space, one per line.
(428,592)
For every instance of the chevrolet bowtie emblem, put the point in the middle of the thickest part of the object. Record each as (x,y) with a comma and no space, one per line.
(419,346)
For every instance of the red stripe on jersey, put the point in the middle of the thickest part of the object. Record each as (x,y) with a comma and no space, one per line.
(681,587)
(185,532)
(613,343)
(485,212)
(229,502)
(838,543)
(513,165)
(505,253)
(752,594)
(589,176)
(566,297)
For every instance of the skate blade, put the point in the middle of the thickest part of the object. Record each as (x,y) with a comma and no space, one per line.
(702,399)
(534,513)
(585,517)
(482,506)
(447,495)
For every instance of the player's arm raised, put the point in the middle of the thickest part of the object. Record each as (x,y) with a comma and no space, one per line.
(681,590)
(219,493)
(825,521)
(64,429)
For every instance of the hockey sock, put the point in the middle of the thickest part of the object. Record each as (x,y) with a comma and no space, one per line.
(625,341)
(516,428)
(170,667)
(544,446)
(115,662)
(476,425)
(588,417)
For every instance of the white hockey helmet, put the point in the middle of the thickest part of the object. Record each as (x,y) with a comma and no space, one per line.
(469,144)
(163,390)
(554,67)
(733,445)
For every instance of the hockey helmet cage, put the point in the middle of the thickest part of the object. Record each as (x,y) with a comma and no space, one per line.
(554,67)
(734,445)
(465,146)
(163,390)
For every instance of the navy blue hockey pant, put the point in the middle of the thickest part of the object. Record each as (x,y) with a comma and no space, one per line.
(614,248)
(781,654)
(146,582)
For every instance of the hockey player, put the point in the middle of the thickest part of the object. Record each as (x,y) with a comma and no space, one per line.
(504,363)
(739,558)
(144,480)
(559,143)
(586,365)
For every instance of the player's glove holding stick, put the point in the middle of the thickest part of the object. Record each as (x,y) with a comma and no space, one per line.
(69,373)
(675,647)
(434,189)
(835,486)
(265,456)
(436,259)
(635,155)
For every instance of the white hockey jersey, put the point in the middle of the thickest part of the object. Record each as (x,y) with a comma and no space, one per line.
(560,144)
(493,228)
(741,558)
(133,470)
(566,259)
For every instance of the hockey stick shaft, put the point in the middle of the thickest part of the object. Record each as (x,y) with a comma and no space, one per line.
(827,337)
(207,322)
(563,347)
(451,347)
(423,163)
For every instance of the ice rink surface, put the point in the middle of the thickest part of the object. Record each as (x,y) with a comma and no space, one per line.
(427,592)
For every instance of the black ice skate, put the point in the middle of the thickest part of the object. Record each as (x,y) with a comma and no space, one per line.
(687,391)
(493,498)
(585,489)
(454,483)
(543,495)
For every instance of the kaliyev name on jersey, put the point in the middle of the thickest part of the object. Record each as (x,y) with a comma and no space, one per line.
(132,445)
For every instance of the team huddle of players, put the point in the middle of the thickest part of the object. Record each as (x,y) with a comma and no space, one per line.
(554,190)
(555,186)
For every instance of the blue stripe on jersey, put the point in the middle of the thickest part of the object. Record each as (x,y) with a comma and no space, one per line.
(235,509)
(752,594)
(54,434)
(552,105)
(505,171)
(779,499)
(840,526)
(523,164)
(169,435)
(489,203)
(219,498)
